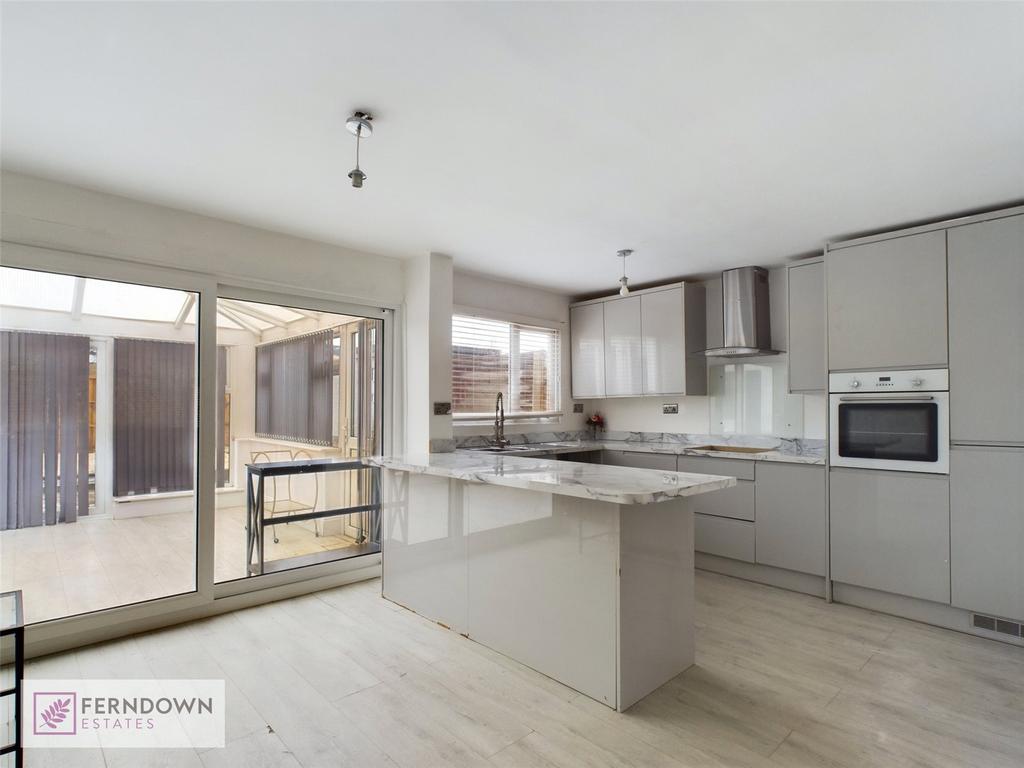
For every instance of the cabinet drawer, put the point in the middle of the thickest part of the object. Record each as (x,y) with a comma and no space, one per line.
(736,502)
(724,537)
(741,469)
(642,460)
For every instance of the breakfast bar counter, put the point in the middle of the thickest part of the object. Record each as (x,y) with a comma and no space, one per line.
(582,572)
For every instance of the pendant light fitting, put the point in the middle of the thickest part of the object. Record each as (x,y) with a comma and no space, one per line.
(624,281)
(360,126)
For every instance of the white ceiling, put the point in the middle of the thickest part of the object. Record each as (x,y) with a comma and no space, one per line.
(530,141)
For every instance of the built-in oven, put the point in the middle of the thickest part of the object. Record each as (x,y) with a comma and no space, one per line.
(896,420)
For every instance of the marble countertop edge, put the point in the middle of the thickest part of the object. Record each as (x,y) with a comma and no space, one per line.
(618,485)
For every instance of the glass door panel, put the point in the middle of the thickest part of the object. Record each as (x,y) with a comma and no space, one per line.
(98,396)
(299,385)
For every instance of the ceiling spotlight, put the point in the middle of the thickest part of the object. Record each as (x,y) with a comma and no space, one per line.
(624,281)
(359,125)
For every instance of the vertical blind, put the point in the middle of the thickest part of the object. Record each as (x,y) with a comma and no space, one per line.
(154,416)
(295,390)
(523,362)
(44,428)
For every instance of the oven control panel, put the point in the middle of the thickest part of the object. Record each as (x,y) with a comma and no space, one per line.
(928,380)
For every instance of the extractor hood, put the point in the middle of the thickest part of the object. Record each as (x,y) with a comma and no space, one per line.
(746,318)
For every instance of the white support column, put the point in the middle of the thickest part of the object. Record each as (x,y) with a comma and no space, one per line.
(428,361)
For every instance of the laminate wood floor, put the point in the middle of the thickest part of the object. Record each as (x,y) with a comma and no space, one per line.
(344,678)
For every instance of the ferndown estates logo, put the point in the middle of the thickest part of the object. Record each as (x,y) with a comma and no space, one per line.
(54,713)
(115,714)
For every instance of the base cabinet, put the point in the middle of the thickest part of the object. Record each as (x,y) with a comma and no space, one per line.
(724,537)
(986,507)
(890,532)
(790,503)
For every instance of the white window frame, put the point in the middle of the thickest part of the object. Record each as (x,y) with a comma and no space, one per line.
(208,599)
(525,417)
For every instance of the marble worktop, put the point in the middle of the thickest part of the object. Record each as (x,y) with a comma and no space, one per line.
(781,449)
(618,485)
(678,449)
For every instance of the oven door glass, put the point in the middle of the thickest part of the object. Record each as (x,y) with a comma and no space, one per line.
(889,431)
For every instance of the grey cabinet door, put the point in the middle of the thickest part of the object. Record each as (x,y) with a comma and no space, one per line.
(586,331)
(887,303)
(986,331)
(890,531)
(714,331)
(724,537)
(642,460)
(986,508)
(623,371)
(790,529)
(708,465)
(664,348)
(806,346)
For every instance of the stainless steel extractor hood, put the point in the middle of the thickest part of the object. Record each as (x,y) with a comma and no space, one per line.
(746,318)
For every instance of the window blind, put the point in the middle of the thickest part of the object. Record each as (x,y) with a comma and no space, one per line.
(294,388)
(154,416)
(523,362)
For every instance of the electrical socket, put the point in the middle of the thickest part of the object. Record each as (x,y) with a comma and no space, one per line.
(667,408)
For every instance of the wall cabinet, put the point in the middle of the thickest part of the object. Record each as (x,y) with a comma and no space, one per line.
(986,508)
(586,329)
(808,367)
(986,331)
(890,531)
(623,374)
(790,504)
(672,323)
(887,303)
(647,343)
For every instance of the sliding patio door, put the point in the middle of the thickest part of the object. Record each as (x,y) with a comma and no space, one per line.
(98,386)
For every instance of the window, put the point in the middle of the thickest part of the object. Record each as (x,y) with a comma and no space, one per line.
(523,362)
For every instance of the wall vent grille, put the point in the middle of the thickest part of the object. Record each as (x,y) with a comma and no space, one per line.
(992,624)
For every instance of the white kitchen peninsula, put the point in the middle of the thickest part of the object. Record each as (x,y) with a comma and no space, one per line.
(583,572)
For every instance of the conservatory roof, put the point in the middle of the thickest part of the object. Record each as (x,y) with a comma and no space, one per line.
(105,298)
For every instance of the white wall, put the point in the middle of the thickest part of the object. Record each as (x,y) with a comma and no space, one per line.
(513,301)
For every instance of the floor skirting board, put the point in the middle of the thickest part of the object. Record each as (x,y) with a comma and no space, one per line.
(924,611)
(806,583)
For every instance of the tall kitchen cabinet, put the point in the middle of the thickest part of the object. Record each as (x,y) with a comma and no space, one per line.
(887,303)
(986,410)
(646,343)
(808,367)
(986,332)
